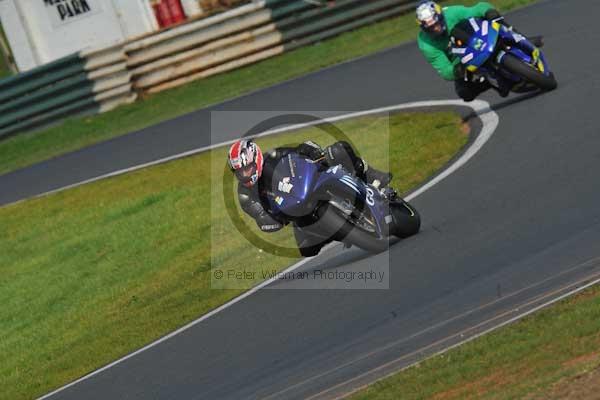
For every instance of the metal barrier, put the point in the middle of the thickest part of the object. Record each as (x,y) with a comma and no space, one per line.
(255,32)
(85,82)
(97,81)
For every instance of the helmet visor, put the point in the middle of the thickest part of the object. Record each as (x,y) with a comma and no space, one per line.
(245,174)
(433,25)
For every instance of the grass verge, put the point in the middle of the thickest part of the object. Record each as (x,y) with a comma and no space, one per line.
(90,274)
(553,354)
(26,149)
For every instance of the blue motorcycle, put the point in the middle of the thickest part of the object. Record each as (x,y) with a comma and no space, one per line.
(504,57)
(334,205)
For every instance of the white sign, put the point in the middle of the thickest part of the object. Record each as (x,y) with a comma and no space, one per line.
(64,11)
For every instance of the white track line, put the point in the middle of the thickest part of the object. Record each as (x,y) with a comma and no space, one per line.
(488,117)
(438,325)
(460,343)
(477,105)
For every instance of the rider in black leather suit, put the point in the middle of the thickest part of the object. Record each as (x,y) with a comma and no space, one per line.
(250,192)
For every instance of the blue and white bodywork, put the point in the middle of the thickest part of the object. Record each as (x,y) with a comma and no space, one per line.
(300,185)
(482,46)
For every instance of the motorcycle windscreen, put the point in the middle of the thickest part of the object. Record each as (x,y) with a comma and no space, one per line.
(292,183)
(481,37)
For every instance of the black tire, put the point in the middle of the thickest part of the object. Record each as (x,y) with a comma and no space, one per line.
(407,220)
(529,73)
(309,244)
(340,229)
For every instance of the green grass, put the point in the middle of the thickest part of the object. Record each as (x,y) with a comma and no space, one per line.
(533,358)
(92,273)
(4,70)
(26,149)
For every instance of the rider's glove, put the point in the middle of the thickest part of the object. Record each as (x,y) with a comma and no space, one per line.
(311,150)
(492,14)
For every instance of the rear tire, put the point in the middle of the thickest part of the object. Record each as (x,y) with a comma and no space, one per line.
(342,230)
(529,73)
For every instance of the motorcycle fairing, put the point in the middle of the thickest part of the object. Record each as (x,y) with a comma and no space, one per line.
(483,44)
(304,185)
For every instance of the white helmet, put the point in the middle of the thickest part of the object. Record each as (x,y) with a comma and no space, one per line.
(431,18)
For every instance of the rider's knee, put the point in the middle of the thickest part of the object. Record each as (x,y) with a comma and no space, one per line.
(310,251)
(465,90)
(468,98)
(466,94)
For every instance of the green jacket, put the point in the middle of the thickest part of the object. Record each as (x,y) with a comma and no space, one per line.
(436,50)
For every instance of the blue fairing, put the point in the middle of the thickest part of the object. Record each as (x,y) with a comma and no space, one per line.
(292,188)
(483,45)
(523,49)
(300,185)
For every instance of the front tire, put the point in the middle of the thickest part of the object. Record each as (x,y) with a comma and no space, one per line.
(342,230)
(407,220)
(529,73)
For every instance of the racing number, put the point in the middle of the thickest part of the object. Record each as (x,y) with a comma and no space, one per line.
(369,197)
(479,45)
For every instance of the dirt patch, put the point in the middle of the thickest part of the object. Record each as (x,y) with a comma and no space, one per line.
(475,389)
(465,128)
(587,294)
(582,387)
(584,359)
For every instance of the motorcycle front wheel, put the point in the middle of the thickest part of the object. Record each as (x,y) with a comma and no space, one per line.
(342,230)
(529,73)
(407,220)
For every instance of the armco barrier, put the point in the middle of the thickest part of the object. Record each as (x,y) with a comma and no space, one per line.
(96,81)
(254,32)
(85,82)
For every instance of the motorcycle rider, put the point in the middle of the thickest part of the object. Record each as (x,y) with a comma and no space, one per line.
(254,172)
(434,42)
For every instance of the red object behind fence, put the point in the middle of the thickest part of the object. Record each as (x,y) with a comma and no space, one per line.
(168,12)
(176,10)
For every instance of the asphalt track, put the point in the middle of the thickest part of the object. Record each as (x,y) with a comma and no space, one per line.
(515,227)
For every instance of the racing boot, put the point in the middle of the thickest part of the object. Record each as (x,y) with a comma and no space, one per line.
(503,91)
(370,175)
(503,87)
(377,178)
